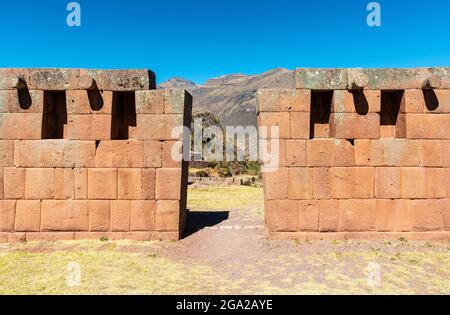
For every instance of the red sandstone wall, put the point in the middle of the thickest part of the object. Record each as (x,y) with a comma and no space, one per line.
(95,181)
(356,171)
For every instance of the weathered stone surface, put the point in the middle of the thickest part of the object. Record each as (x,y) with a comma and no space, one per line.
(99,215)
(357,79)
(100,173)
(282,215)
(286,100)
(56,153)
(300,183)
(280,120)
(401,79)
(394,152)
(6,153)
(7,215)
(102,183)
(54,79)
(352,182)
(21,101)
(426,126)
(156,127)
(142,215)
(14,183)
(357,215)
(78,79)
(330,152)
(150,102)
(28,216)
(374,79)
(371,168)
(276,183)
(130,185)
(120,153)
(64,183)
(321,79)
(176,101)
(361,102)
(40,183)
(308,215)
(65,215)
(121,80)
(168,183)
(89,102)
(20,126)
(167,215)
(120,215)
(355,126)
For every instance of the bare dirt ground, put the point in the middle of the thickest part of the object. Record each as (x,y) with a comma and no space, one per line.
(226,251)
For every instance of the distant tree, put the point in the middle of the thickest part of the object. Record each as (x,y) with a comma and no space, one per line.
(224,168)
(208,120)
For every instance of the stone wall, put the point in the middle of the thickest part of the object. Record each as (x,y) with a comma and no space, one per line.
(87,154)
(364,153)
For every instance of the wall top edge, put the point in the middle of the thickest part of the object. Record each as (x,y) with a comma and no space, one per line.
(372,78)
(72,69)
(75,78)
(371,69)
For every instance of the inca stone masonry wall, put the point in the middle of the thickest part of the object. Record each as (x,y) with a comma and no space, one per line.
(87,154)
(364,153)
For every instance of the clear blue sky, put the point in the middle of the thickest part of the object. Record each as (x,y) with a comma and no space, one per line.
(199,39)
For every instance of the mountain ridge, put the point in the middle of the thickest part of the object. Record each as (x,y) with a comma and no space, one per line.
(232,97)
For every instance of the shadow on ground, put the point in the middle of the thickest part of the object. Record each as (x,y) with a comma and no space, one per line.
(198,220)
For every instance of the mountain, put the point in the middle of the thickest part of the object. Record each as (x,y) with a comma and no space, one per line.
(232,98)
(178,83)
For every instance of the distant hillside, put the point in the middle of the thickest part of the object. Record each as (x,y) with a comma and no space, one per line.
(232,98)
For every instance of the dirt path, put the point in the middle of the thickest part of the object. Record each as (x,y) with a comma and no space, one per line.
(227,236)
(234,243)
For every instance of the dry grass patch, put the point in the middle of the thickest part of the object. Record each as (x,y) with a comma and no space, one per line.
(248,199)
(104,270)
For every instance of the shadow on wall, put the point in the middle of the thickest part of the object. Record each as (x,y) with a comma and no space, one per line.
(54,115)
(95,99)
(123,115)
(25,101)
(431,100)
(361,103)
(198,220)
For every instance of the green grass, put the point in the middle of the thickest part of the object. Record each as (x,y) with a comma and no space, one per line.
(246,198)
